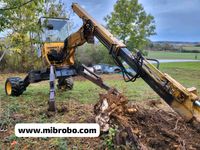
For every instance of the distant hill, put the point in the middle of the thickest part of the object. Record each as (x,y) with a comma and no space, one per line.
(176,43)
(175,46)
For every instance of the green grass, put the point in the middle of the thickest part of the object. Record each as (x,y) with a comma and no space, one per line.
(191,48)
(187,74)
(172,55)
(87,92)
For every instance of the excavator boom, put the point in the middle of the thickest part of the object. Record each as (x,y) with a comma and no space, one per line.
(183,100)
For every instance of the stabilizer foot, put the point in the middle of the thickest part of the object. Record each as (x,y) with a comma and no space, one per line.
(52,106)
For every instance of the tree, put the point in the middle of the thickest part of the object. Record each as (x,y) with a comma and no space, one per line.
(54,9)
(90,54)
(21,14)
(4,21)
(130,23)
(22,21)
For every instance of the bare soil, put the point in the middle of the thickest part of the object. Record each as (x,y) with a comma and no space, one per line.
(159,129)
(148,126)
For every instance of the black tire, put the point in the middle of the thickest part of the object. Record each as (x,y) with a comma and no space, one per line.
(65,83)
(14,86)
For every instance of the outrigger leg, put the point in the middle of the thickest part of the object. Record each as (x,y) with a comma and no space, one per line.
(52,105)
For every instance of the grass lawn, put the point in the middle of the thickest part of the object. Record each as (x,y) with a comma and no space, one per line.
(172,55)
(31,106)
(84,91)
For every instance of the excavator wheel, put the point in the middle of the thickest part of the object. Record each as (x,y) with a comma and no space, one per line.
(14,86)
(65,83)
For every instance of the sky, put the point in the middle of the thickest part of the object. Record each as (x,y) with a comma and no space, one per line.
(176,20)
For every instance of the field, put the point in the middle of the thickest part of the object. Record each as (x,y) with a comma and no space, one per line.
(77,106)
(172,55)
(191,48)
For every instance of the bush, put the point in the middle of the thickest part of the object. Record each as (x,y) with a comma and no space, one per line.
(89,54)
(17,62)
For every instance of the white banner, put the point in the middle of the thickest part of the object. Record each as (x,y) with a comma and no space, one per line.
(57,130)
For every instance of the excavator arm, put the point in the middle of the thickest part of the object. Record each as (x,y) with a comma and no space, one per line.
(183,100)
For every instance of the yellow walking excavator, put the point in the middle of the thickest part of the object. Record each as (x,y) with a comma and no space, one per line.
(59,55)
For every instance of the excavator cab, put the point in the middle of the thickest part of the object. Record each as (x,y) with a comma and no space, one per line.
(53,29)
(53,32)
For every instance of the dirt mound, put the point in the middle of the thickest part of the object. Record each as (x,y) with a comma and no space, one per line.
(145,128)
(160,129)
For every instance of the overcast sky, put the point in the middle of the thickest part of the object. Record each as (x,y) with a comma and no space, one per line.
(176,20)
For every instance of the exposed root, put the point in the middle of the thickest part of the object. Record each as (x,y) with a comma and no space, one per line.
(110,111)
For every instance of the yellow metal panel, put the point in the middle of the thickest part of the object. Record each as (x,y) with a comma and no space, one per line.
(58,45)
